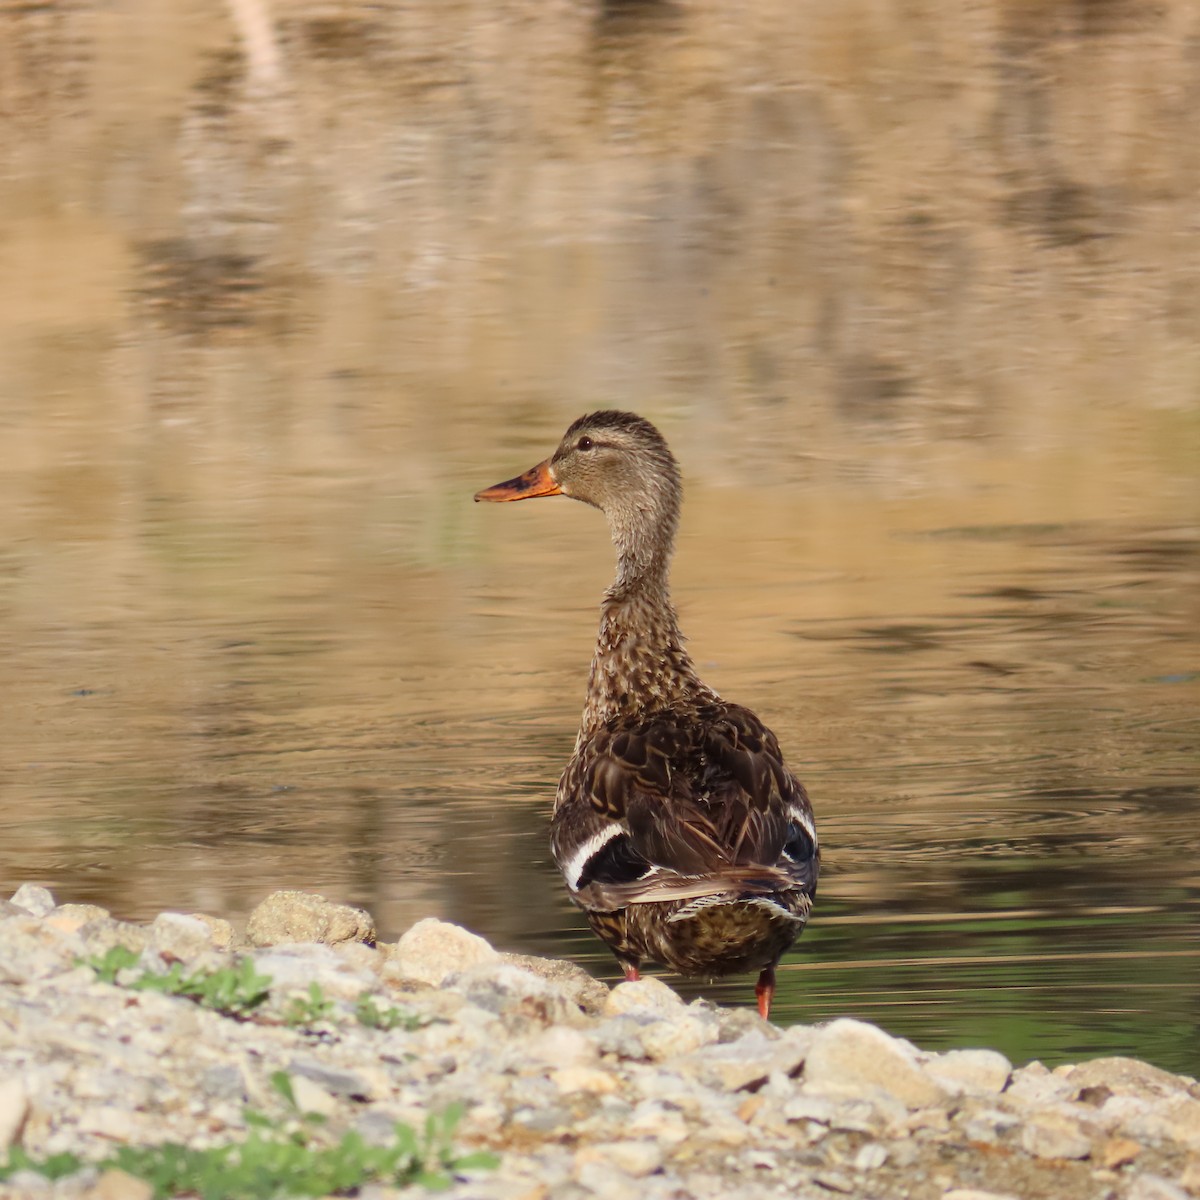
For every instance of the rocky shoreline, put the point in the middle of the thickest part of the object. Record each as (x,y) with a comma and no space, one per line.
(305,1028)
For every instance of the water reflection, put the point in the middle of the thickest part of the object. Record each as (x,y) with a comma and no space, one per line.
(921,337)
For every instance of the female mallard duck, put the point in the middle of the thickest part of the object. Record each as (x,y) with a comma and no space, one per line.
(677,827)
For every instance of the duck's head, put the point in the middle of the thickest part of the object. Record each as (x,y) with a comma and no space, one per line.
(611,459)
(618,462)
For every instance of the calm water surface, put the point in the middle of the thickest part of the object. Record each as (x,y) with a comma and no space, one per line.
(923,343)
(997,721)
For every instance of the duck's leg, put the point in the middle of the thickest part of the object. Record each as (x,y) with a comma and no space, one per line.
(764,990)
(631,971)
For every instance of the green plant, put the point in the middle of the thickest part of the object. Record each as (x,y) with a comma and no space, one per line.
(436,1150)
(234,991)
(308,1010)
(57,1166)
(373,1017)
(278,1160)
(107,965)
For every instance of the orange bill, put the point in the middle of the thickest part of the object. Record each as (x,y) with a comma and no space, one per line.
(537,481)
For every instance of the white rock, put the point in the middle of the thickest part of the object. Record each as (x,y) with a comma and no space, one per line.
(751,1059)
(872,1114)
(977,1072)
(682,1034)
(834,1181)
(358,956)
(1036,1087)
(14,1106)
(668,1086)
(292,969)
(220,931)
(100,935)
(850,1057)
(870,1157)
(643,995)
(654,1120)
(502,988)
(777,1090)
(931,1120)
(113,1123)
(27,1184)
(1183,1117)
(72,917)
(33,899)
(1117,1112)
(115,1184)
(1053,1135)
(588,993)
(987,1125)
(724,1129)
(1116,1152)
(621,1036)
(801,1036)
(561,1046)
(432,950)
(804,1107)
(606,1181)
(1177,1119)
(311,1097)
(762,1160)
(175,936)
(31,949)
(974,1194)
(1190,1178)
(1125,1076)
(636,1158)
(1155,1187)
(364,1082)
(585,1079)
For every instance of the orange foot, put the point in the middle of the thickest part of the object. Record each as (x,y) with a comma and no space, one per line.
(764,990)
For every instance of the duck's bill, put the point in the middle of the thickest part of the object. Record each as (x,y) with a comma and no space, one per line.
(537,481)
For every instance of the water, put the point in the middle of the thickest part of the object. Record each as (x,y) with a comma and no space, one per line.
(939,436)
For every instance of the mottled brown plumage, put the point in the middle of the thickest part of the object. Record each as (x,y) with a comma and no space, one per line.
(677,826)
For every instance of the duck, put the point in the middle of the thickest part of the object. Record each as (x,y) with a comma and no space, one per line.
(677,826)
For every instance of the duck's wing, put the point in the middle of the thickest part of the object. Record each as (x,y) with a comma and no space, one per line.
(682,806)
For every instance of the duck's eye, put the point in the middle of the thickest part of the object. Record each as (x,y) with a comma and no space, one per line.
(585,443)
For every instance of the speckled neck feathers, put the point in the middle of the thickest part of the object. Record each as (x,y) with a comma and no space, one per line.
(640,664)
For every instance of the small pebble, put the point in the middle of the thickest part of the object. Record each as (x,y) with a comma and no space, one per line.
(648,995)
(1118,1151)
(1049,1135)
(634,1158)
(115,1184)
(14,1106)
(853,1058)
(833,1182)
(433,950)
(871,1157)
(33,899)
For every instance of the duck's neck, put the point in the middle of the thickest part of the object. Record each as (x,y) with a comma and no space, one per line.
(640,665)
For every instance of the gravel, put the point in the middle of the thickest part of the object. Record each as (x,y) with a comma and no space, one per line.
(580,1090)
